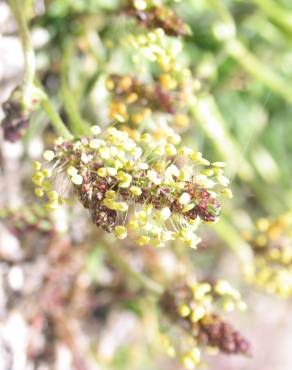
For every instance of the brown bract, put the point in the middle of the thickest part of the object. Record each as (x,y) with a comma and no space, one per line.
(160,17)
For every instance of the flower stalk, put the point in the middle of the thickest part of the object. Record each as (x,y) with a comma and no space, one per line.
(27,47)
(55,118)
(77,124)
(278,15)
(33,91)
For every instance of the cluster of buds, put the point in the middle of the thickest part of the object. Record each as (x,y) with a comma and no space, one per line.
(17,112)
(136,102)
(193,308)
(156,47)
(131,91)
(136,188)
(152,16)
(272,247)
(27,219)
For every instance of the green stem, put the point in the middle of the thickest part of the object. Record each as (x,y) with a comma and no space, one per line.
(222,11)
(55,119)
(141,279)
(27,47)
(211,121)
(281,17)
(27,7)
(77,124)
(209,117)
(30,69)
(258,70)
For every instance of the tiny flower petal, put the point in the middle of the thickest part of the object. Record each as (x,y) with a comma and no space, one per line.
(95,130)
(122,206)
(165,213)
(47,172)
(121,232)
(219,164)
(184,198)
(72,171)
(102,172)
(77,179)
(39,192)
(37,165)
(49,155)
(135,190)
(84,158)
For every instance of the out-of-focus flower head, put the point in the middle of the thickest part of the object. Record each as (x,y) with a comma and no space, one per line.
(157,47)
(137,102)
(17,112)
(153,191)
(272,247)
(194,309)
(28,219)
(134,91)
(151,16)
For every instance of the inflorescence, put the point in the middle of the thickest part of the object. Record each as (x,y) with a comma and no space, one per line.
(130,91)
(18,109)
(192,307)
(152,16)
(154,191)
(272,247)
(137,102)
(28,219)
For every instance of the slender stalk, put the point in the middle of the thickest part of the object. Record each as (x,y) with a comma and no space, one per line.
(211,121)
(30,69)
(278,15)
(258,70)
(28,52)
(209,117)
(77,124)
(249,62)
(27,7)
(141,279)
(55,119)
(222,11)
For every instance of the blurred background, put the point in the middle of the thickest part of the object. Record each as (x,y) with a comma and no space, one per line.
(63,303)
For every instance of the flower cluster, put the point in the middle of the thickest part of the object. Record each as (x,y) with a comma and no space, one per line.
(154,191)
(192,307)
(151,16)
(156,47)
(27,219)
(132,91)
(137,102)
(17,111)
(272,247)
(170,96)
